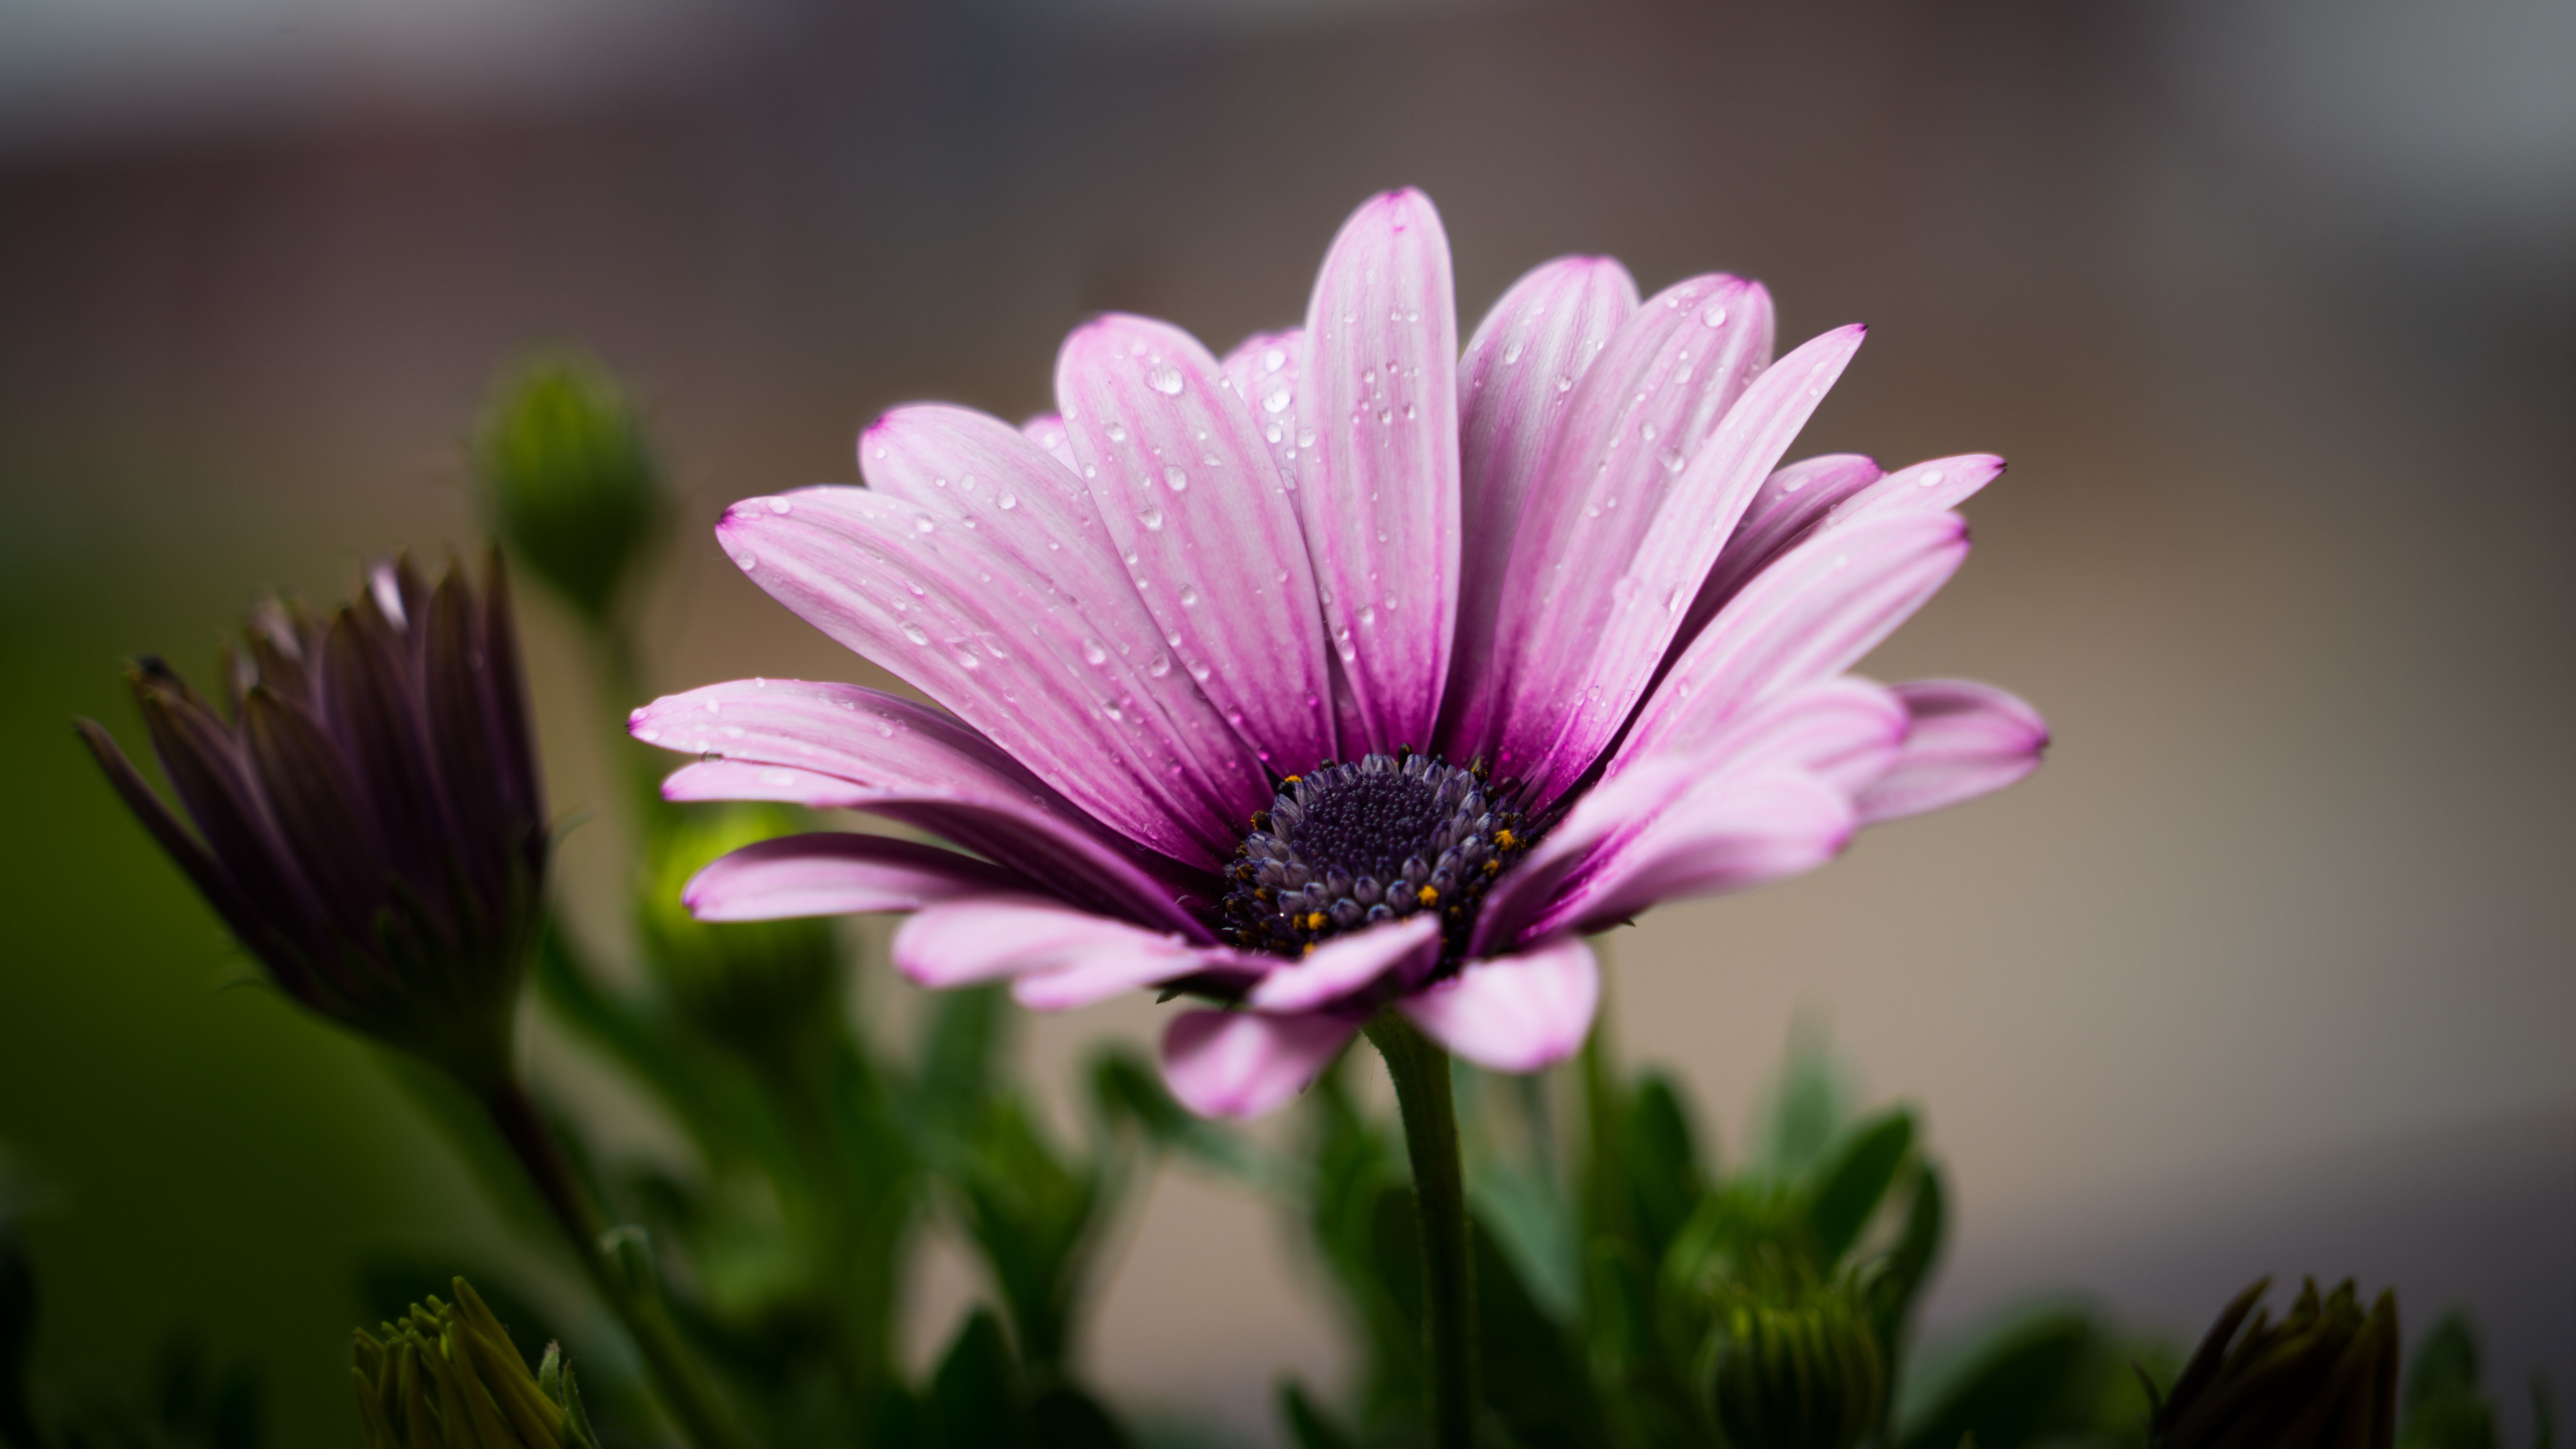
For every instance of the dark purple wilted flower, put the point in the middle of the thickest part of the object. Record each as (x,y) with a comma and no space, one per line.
(1578,646)
(368,819)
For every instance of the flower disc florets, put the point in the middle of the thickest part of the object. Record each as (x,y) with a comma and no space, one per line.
(1350,845)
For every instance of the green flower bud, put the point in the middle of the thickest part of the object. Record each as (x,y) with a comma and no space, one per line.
(1795,1368)
(567,477)
(2325,1375)
(755,987)
(447,1377)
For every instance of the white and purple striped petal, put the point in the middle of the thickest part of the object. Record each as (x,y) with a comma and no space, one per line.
(1967,740)
(1245,1063)
(1514,1013)
(838,873)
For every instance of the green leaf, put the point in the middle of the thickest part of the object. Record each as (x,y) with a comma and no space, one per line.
(2010,1385)
(1535,1376)
(1807,1107)
(1854,1180)
(1309,1427)
(1666,1178)
(962,1059)
(1126,1088)
(973,1403)
(1065,1417)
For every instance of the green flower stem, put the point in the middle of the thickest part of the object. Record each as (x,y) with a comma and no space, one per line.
(1430,1112)
(677,1381)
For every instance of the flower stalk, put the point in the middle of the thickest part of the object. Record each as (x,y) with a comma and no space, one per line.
(677,1381)
(1429,1110)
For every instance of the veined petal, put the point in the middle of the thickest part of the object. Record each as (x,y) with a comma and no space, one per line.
(1379,489)
(1409,948)
(1514,1013)
(1017,617)
(840,745)
(1247,1063)
(1587,685)
(1783,509)
(1968,740)
(1262,369)
(836,873)
(1515,392)
(1736,830)
(1662,383)
(1845,730)
(989,938)
(1822,606)
(1047,431)
(1618,807)
(1188,491)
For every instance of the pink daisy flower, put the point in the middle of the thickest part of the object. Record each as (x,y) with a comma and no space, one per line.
(1351,670)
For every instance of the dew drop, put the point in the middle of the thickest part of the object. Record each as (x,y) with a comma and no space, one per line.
(1276,400)
(1715,316)
(1159,665)
(1274,359)
(1671,458)
(1175,479)
(1929,480)
(915,632)
(1565,384)
(1189,597)
(747,561)
(1512,353)
(781,505)
(1008,500)
(923,523)
(1151,517)
(1117,432)
(1165,380)
(1646,430)
(1305,437)
(1093,654)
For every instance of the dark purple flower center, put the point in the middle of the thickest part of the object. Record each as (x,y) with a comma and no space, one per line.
(1347,846)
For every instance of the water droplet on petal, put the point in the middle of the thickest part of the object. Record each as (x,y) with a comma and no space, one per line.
(1175,479)
(1929,480)
(1159,665)
(1715,316)
(1165,380)
(1008,500)
(915,632)
(1117,432)
(923,523)
(1151,517)
(747,561)
(1305,437)
(1093,654)
(781,505)
(1189,597)
(1512,353)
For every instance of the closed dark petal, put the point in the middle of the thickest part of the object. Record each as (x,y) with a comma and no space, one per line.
(460,741)
(213,782)
(506,692)
(318,807)
(371,707)
(205,872)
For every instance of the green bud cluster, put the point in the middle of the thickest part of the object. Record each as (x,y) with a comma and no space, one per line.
(1795,1369)
(447,1377)
(2325,1375)
(568,478)
(756,986)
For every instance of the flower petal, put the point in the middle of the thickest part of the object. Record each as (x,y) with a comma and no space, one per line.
(840,745)
(1845,730)
(1047,431)
(988,938)
(1515,386)
(1736,830)
(1379,488)
(1246,1063)
(1822,606)
(1514,1013)
(1345,964)
(1262,369)
(1578,669)
(1968,739)
(1002,598)
(1789,503)
(1189,493)
(1609,812)
(835,873)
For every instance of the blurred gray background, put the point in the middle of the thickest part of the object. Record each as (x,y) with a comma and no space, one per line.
(2271,303)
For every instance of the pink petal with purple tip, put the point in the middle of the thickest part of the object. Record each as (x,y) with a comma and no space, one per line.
(835,873)
(1408,948)
(1845,730)
(1968,740)
(1188,492)
(1783,509)
(1378,388)
(1514,1013)
(1609,812)
(1245,1063)
(1738,830)
(1812,614)
(841,745)
(1515,391)
(1577,675)
(991,938)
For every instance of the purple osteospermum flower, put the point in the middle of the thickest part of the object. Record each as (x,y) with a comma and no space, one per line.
(1581,645)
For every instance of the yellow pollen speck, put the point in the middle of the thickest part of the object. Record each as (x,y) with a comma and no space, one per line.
(1504,839)
(1293,779)
(1429,895)
(1310,948)
(1314,920)
(1492,866)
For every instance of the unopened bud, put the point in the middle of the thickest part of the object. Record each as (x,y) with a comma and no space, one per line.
(568,478)
(447,1377)
(755,987)
(1795,1368)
